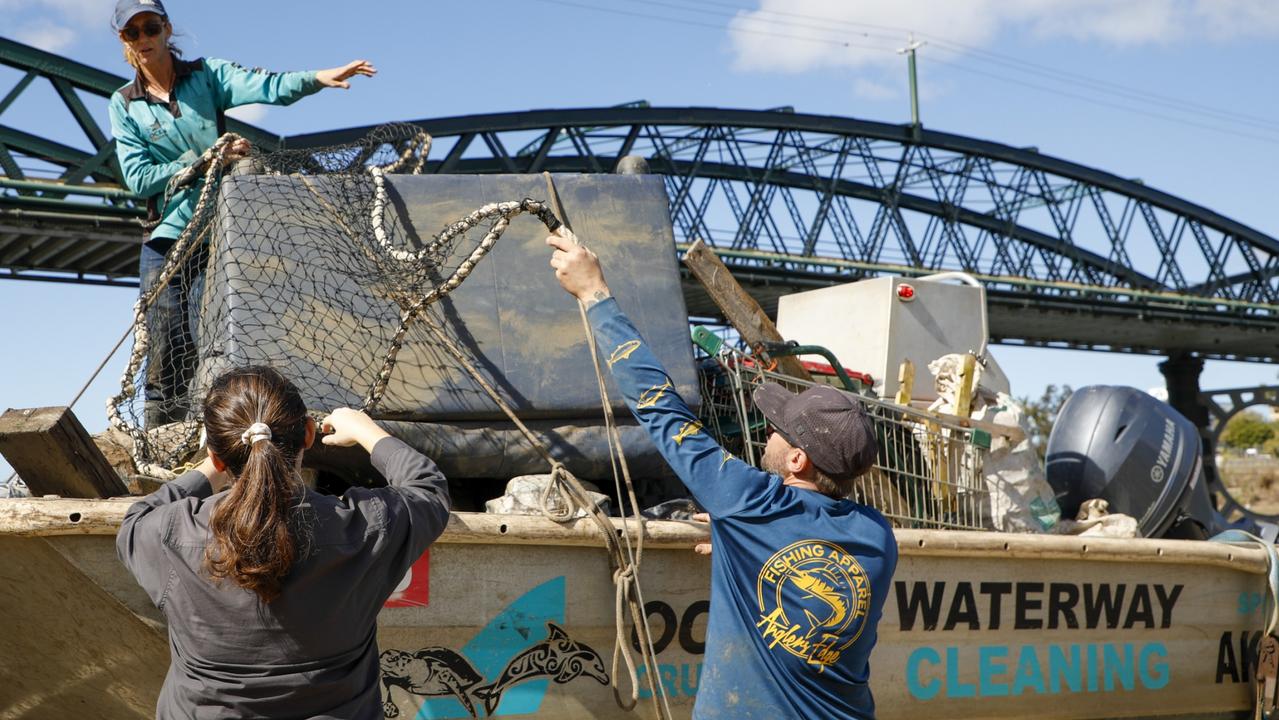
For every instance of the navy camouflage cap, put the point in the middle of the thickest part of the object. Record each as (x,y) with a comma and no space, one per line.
(832,427)
(126,9)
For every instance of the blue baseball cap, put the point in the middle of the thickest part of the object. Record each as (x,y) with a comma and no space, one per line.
(126,9)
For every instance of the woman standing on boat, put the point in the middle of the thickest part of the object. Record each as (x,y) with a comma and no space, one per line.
(271,590)
(162,122)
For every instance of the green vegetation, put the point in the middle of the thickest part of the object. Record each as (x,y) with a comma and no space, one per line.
(1042,413)
(1249,429)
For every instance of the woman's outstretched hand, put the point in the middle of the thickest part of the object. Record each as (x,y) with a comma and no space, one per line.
(345,427)
(337,77)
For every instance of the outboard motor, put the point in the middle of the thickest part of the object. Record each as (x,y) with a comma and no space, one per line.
(1137,453)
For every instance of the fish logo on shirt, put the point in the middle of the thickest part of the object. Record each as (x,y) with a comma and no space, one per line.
(687,430)
(813,599)
(649,397)
(725,456)
(622,352)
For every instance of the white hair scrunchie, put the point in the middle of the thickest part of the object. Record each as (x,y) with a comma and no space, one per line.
(257,431)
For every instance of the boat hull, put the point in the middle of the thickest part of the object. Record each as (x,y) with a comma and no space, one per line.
(514,616)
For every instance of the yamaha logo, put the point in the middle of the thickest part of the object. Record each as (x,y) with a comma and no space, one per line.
(1160,468)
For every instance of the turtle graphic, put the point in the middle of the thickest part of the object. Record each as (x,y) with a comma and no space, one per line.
(557,657)
(429,671)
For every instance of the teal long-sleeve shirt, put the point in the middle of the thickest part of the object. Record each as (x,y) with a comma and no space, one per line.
(155,140)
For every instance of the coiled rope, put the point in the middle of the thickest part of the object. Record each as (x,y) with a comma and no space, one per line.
(624,559)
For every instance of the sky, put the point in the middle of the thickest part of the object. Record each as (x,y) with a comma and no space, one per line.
(1173,92)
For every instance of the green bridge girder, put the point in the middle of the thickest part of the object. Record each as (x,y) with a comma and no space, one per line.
(1071,255)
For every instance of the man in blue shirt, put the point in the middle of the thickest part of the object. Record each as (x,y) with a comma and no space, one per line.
(799,574)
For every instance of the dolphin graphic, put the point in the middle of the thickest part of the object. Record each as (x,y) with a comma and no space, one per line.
(429,671)
(557,657)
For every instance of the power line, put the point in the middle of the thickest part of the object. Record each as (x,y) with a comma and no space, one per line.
(686,22)
(984,55)
(1104,103)
(1057,75)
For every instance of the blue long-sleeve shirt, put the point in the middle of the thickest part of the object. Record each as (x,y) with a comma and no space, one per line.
(312,652)
(798,579)
(155,140)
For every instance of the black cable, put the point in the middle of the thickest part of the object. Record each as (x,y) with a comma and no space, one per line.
(964,68)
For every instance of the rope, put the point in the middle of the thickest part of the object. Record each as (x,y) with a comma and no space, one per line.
(626,578)
(101,365)
(504,212)
(1271,607)
(210,167)
(575,497)
(193,235)
(564,496)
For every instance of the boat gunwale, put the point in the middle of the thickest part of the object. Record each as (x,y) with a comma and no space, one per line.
(53,516)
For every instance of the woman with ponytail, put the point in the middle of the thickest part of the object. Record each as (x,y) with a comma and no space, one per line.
(272,590)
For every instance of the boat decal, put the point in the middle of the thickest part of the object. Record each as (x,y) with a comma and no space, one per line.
(687,430)
(1236,666)
(685,632)
(558,657)
(414,589)
(940,609)
(506,668)
(813,601)
(1021,669)
(429,671)
(649,397)
(623,351)
(1035,605)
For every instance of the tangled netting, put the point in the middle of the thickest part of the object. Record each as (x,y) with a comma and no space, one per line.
(307,262)
(263,273)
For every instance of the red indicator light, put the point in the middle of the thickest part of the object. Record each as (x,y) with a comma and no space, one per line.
(905,292)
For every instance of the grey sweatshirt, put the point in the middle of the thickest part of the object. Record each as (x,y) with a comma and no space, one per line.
(312,652)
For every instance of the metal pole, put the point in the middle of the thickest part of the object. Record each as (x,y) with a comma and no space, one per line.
(909,52)
(914,91)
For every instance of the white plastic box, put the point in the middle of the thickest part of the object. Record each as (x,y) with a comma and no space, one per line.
(872,326)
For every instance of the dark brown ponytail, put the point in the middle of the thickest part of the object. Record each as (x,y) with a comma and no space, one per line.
(254,544)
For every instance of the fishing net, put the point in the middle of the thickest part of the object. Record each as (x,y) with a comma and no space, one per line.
(277,284)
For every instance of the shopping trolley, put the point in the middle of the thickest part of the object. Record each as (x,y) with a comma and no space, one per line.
(929,470)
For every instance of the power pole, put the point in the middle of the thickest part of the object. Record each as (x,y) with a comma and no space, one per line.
(909,51)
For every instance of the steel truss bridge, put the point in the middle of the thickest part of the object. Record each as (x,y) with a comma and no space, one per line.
(1071,256)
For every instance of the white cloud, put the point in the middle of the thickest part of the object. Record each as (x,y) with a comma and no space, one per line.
(46,36)
(87,13)
(799,35)
(54,25)
(1238,18)
(868,89)
(248,113)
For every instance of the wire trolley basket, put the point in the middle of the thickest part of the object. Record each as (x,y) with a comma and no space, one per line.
(929,470)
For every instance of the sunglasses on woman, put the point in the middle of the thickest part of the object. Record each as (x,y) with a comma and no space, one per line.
(132,33)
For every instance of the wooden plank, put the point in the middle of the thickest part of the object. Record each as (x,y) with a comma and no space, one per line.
(905,382)
(52,453)
(739,308)
(964,396)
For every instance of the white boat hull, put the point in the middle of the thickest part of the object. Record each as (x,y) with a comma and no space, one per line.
(514,616)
